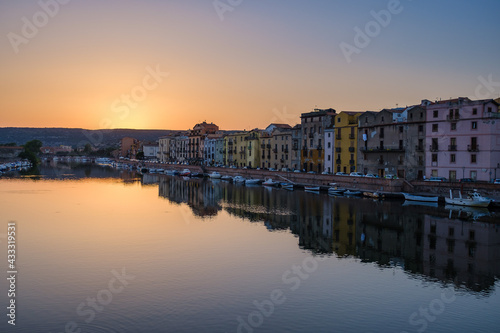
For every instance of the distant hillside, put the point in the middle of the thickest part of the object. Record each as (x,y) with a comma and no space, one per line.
(76,136)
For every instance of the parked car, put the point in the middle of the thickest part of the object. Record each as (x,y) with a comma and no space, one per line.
(325,173)
(371,175)
(341,174)
(390,176)
(436,179)
(272,169)
(496,181)
(297,170)
(356,174)
(312,172)
(466,180)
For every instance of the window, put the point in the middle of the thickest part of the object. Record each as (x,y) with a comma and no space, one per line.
(451,231)
(474,111)
(328,134)
(382,118)
(328,157)
(473,158)
(489,109)
(435,114)
(434,157)
(338,119)
(329,144)
(452,158)
(434,127)
(453,126)
(474,125)
(400,129)
(420,128)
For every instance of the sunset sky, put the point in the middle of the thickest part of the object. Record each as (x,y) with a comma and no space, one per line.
(170,64)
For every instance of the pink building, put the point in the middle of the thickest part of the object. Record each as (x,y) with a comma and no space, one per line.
(463,139)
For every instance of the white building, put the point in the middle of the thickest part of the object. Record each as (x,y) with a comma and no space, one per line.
(329,149)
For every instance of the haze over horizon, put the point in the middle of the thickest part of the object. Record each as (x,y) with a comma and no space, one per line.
(239,64)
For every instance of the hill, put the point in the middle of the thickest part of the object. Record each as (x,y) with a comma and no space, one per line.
(76,137)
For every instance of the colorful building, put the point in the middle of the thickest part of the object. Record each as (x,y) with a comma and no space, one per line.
(463,139)
(345,141)
(313,125)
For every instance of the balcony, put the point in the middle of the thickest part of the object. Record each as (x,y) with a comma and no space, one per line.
(473,148)
(351,162)
(381,161)
(268,157)
(275,150)
(351,136)
(338,149)
(319,147)
(451,117)
(268,146)
(419,148)
(337,161)
(383,149)
(351,149)
(230,143)
(286,150)
(311,135)
(434,148)
(338,137)
(452,147)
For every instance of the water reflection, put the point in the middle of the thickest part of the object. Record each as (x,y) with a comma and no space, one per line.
(433,242)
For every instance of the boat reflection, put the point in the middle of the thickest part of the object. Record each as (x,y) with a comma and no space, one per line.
(432,242)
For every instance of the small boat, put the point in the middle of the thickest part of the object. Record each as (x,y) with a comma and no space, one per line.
(287,186)
(423,198)
(171,172)
(474,199)
(226,177)
(312,188)
(352,193)
(238,179)
(215,175)
(368,194)
(252,181)
(185,173)
(196,175)
(270,182)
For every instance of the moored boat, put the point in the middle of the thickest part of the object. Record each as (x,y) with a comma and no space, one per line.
(312,188)
(353,193)
(474,199)
(252,181)
(226,177)
(287,186)
(270,182)
(215,175)
(423,198)
(185,173)
(238,179)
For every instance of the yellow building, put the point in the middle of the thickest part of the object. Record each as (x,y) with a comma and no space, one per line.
(242,149)
(346,141)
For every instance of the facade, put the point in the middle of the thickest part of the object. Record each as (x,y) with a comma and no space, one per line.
(197,141)
(12,152)
(313,125)
(296,147)
(391,142)
(210,149)
(329,149)
(345,141)
(265,150)
(151,151)
(164,152)
(252,147)
(463,139)
(219,151)
(129,147)
(281,143)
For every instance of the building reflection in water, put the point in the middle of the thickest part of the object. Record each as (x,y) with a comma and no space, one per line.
(425,241)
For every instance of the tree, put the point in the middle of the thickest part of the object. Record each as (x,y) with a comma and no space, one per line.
(87,149)
(140,155)
(31,151)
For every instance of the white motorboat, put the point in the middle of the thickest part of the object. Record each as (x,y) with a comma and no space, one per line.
(312,188)
(353,193)
(185,173)
(252,181)
(238,179)
(424,198)
(474,199)
(287,186)
(270,182)
(215,175)
(226,177)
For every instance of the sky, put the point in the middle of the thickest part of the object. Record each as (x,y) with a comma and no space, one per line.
(240,64)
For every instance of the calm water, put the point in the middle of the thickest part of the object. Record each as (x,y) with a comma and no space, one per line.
(100,250)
